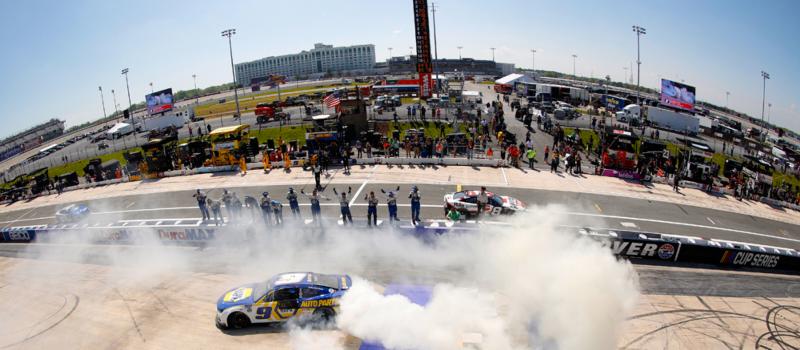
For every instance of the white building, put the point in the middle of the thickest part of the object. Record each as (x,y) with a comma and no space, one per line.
(320,60)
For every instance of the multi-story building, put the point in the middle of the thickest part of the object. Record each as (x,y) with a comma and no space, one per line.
(30,138)
(321,60)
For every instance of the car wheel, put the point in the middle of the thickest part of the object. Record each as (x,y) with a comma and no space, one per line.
(322,317)
(238,320)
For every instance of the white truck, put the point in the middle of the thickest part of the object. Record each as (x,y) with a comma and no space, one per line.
(176,118)
(673,120)
(629,114)
(119,130)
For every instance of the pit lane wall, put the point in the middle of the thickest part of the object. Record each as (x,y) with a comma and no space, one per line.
(638,247)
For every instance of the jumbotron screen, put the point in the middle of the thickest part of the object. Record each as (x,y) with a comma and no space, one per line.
(159,101)
(677,95)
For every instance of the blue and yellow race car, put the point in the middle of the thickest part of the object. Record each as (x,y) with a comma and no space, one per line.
(306,295)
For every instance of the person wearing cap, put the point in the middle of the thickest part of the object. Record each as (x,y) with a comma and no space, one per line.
(391,203)
(372,209)
(415,204)
(215,210)
(226,199)
(483,200)
(266,207)
(291,196)
(277,211)
(344,206)
(201,203)
(314,197)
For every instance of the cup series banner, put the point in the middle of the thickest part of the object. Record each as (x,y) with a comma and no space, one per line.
(424,64)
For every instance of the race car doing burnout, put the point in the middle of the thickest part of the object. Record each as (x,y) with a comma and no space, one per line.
(72,213)
(305,295)
(466,202)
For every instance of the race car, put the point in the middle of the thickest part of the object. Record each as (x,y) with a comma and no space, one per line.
(466,202)
(72,213)
(308,296)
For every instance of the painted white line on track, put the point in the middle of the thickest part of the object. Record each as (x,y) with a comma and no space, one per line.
(683,224)
(358,192)
(711,221)
(628,224)
(130,205)
(505,179)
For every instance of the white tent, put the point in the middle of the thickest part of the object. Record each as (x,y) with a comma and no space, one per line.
(514,78)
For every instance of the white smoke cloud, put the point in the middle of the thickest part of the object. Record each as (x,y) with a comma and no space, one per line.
(527,286)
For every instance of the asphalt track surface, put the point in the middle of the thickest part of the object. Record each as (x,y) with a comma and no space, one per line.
(583,210)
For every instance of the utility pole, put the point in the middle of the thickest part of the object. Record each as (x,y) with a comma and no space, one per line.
(764,76)
(228,33)
(639,31)
(492,53)
(459,52)
(102,101)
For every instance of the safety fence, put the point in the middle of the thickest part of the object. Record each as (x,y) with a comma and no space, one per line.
(641,247)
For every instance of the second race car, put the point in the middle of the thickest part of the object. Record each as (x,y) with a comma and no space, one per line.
(306,295)
(466,202)
(72,213)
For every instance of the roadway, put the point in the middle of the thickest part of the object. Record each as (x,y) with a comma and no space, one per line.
(579,209)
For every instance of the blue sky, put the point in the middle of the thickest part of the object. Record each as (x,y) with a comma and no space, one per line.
(56,53)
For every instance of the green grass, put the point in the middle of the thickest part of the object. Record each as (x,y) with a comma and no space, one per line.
(247,103)
(78,166)
(586,136)
(287,133)
(778,179)
(489,82)
(431,128)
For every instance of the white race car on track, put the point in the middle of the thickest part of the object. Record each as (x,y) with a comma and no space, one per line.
(466,202)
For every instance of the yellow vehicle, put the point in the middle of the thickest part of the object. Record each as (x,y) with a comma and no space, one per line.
(228,143)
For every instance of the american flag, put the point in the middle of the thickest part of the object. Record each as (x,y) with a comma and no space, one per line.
(332,101)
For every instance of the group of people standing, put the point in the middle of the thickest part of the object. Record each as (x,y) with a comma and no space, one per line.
(272,210)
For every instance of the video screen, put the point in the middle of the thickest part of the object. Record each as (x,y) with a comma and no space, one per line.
(159,101)
(677,95)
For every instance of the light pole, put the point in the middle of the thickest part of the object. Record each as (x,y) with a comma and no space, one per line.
(196,93)
(574,58)
(459,52)
(151,87)
(228,33)
(769,111)
(435,49)
(390,54)
(764,76)
(102,101)
(492,53)
(727,98)
(625,76)
(114,96)
(639,31)
(130,106)
(410,51)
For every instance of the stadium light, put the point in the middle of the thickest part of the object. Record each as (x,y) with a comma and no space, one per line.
(228,33)
(764,76)
(639,32)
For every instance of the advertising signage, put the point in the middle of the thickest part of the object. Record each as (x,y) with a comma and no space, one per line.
(677,95)
(159,101)
(424,63)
